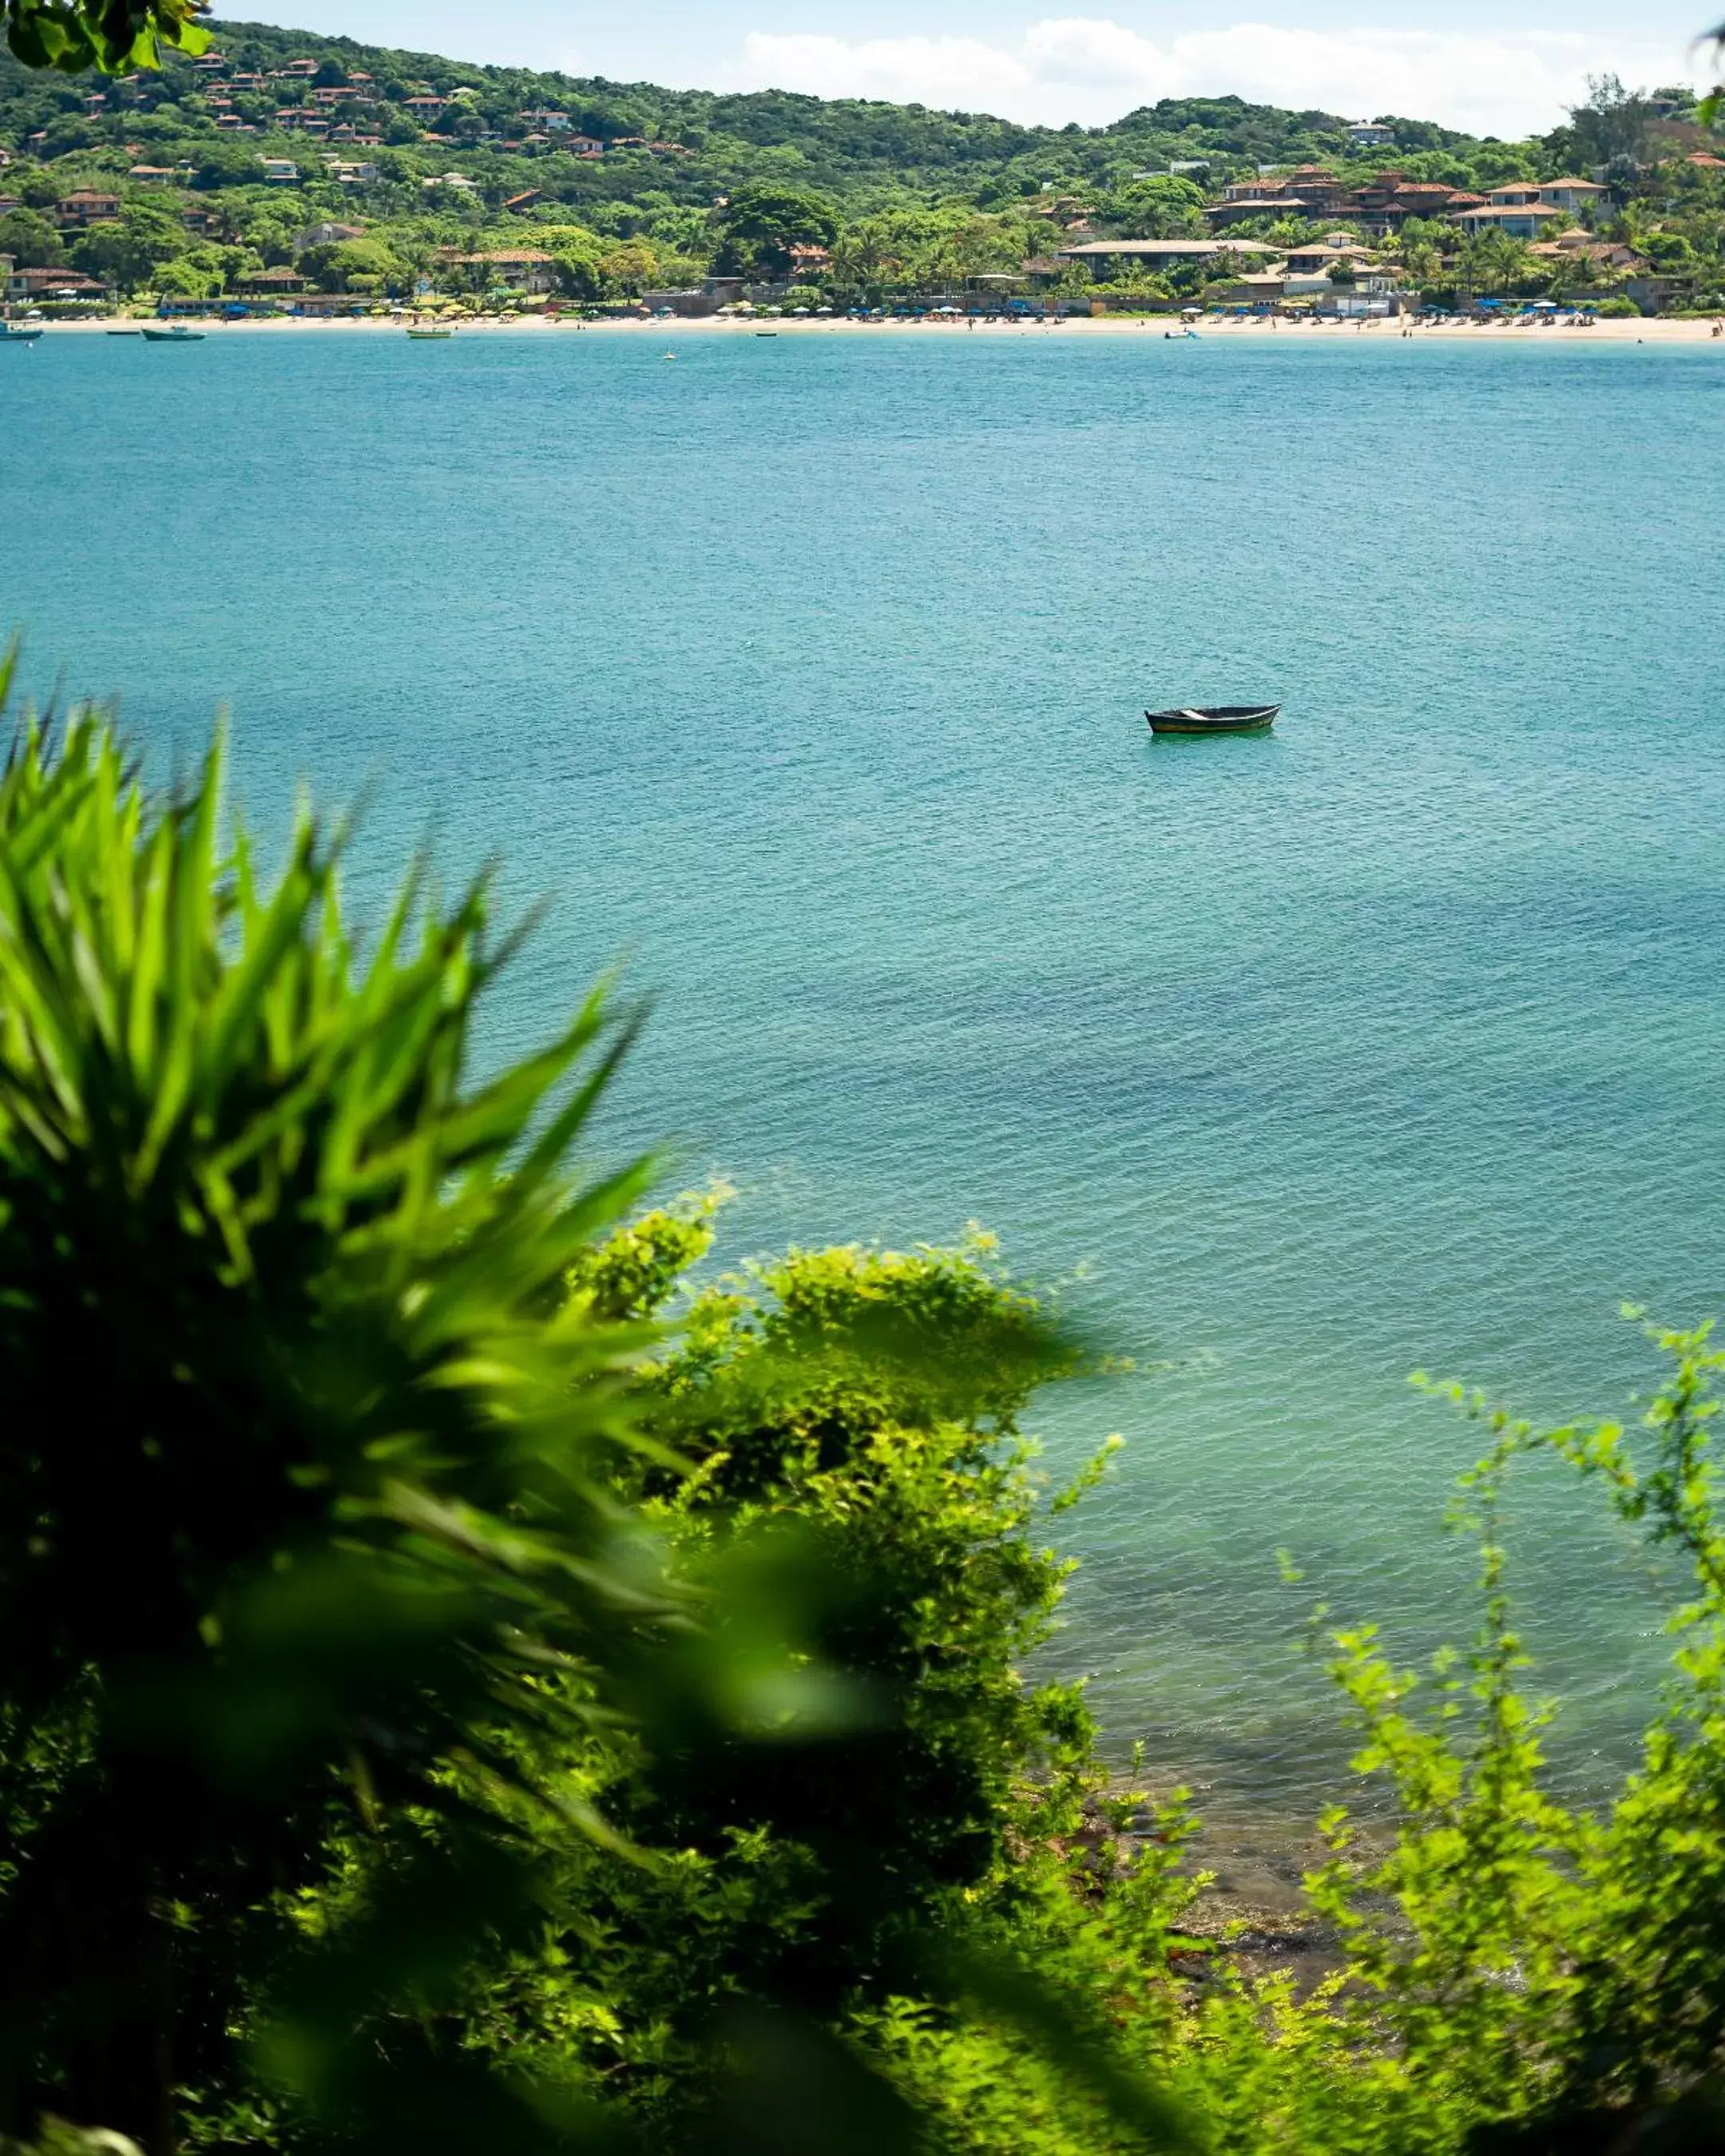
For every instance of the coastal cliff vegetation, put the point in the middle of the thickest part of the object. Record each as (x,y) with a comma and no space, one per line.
(473,1675)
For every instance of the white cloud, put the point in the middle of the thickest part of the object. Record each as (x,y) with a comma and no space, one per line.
(1507,83)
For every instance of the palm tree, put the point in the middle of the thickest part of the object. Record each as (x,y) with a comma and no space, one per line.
(1421,261)
(863,251)
(1492,262)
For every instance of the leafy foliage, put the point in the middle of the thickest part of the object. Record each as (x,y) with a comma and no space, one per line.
(272,1317)
(760,224)
(113,35)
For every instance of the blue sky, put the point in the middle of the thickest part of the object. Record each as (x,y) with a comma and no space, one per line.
(1466,62)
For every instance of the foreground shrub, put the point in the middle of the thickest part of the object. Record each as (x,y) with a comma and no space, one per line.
(298,1495)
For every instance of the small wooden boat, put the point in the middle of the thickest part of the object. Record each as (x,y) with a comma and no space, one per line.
(126,333)
(1214,719)
(426,331)
(177,335)
(8,335)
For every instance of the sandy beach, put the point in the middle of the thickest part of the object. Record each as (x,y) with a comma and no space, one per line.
(1611,331)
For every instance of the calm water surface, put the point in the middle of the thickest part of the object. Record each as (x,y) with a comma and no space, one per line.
(809,681)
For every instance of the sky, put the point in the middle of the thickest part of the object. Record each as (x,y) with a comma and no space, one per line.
(1497,70)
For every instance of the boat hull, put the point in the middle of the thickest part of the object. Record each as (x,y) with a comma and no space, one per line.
(1215,719)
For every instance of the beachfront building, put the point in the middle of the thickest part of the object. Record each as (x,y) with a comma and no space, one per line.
(26,287)
(1376,290)
(1525,220)
(1266,288)
(520,269)
(272,284)
(325,304)
(1603,256)
(1113,256)
(1318,259)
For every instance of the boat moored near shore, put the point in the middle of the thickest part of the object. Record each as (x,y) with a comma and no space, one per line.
(1214,719)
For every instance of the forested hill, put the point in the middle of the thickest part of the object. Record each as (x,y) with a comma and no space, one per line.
(855,151)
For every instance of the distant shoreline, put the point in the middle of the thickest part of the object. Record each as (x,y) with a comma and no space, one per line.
(1649,331)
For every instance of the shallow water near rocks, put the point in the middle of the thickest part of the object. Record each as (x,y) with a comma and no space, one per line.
(810,682)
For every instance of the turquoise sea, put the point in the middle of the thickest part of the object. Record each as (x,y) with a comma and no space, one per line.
(809,681)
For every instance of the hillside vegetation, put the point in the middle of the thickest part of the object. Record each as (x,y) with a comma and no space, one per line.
(276,162)
(860,153)
(623,186)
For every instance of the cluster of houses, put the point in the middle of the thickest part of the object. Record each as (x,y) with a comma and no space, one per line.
(349,112)
(1339,272)
(1305,273)
(1384,205)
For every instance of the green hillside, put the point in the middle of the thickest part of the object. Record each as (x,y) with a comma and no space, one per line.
(279,163)
(860,153)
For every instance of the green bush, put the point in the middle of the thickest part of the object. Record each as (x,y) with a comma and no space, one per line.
(1622,307)
(297,1494)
